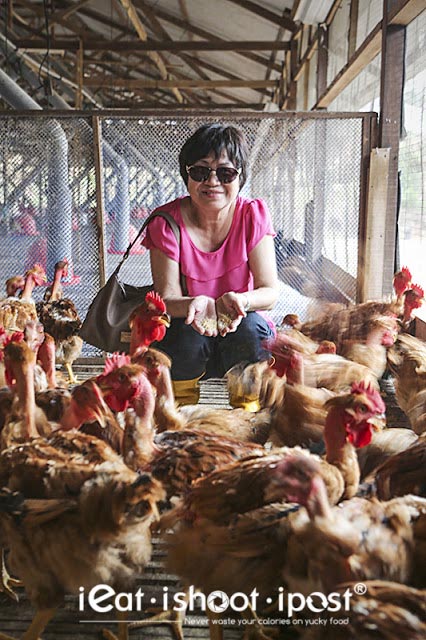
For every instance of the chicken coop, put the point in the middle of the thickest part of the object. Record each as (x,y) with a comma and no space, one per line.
(96,101)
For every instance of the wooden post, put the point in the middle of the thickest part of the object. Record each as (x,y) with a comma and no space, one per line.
(322,61)
(9,14)
(306,85)
(79,77)
(369,142)
(391,95)
(100,209)
(375,248)
(353,25)
(291,102)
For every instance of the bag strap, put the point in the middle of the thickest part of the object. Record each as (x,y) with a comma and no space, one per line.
(176,231)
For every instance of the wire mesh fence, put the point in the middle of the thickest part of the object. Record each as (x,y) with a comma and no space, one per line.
(307,167)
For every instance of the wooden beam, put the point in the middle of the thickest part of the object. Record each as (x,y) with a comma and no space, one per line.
(155,57)
(202,33)
(129,83)
(280,93)
(220,106)
(334,9)
(306,57)
(261,11)
(79,70)
(292,92)
(161,32)
(154,46)
(58,16)
(136,66)
(353,27)
(391,96)
(403,13)
(369,49)
(306,87)
(322,60)
(10,14)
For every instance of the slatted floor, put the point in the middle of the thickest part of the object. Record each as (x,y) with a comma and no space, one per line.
(70,623)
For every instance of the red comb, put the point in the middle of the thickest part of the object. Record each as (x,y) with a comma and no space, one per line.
(401,280)
(153,298)
(406,273)
(115,361)
(418,290)
(372,393)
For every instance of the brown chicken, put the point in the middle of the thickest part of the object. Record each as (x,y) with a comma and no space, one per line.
(148,322)
(100,534)
(350,324)
(88,412)
(23,421)
(53,402)
(60,319)
(297,412)
(357,540)
(404,472)
(386,611)
(303,416)
(239,546)
(372,352)
(175,457)
(229,423)
(14,286)
(16,312)
(349,424)
(319,370)
(384,445)
(407,362)
(221,536)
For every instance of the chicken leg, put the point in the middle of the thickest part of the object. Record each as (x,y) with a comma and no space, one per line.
(6,581)
(123,628)
(172,618)
(72,377)
(37,626)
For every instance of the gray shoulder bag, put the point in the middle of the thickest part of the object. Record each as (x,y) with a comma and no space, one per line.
(106,323)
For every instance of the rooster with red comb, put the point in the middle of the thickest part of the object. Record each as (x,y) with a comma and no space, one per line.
(148,323)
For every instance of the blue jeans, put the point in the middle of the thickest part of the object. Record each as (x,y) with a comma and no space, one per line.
(193,354)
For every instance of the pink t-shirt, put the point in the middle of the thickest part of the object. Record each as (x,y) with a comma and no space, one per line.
(213,273)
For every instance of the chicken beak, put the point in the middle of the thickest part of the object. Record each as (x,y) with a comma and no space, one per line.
(163,319)
(99,415)
(378,422)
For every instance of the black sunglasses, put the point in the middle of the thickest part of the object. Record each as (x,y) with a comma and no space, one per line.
(225,175)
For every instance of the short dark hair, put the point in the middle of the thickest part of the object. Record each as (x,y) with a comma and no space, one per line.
(215,138)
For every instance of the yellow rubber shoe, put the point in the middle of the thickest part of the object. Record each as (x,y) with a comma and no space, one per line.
(186,391)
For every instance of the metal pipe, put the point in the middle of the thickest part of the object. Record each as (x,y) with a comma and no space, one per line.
(121,200)
(59,209)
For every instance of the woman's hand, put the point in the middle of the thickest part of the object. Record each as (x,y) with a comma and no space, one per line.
(230,310)
(202,315)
